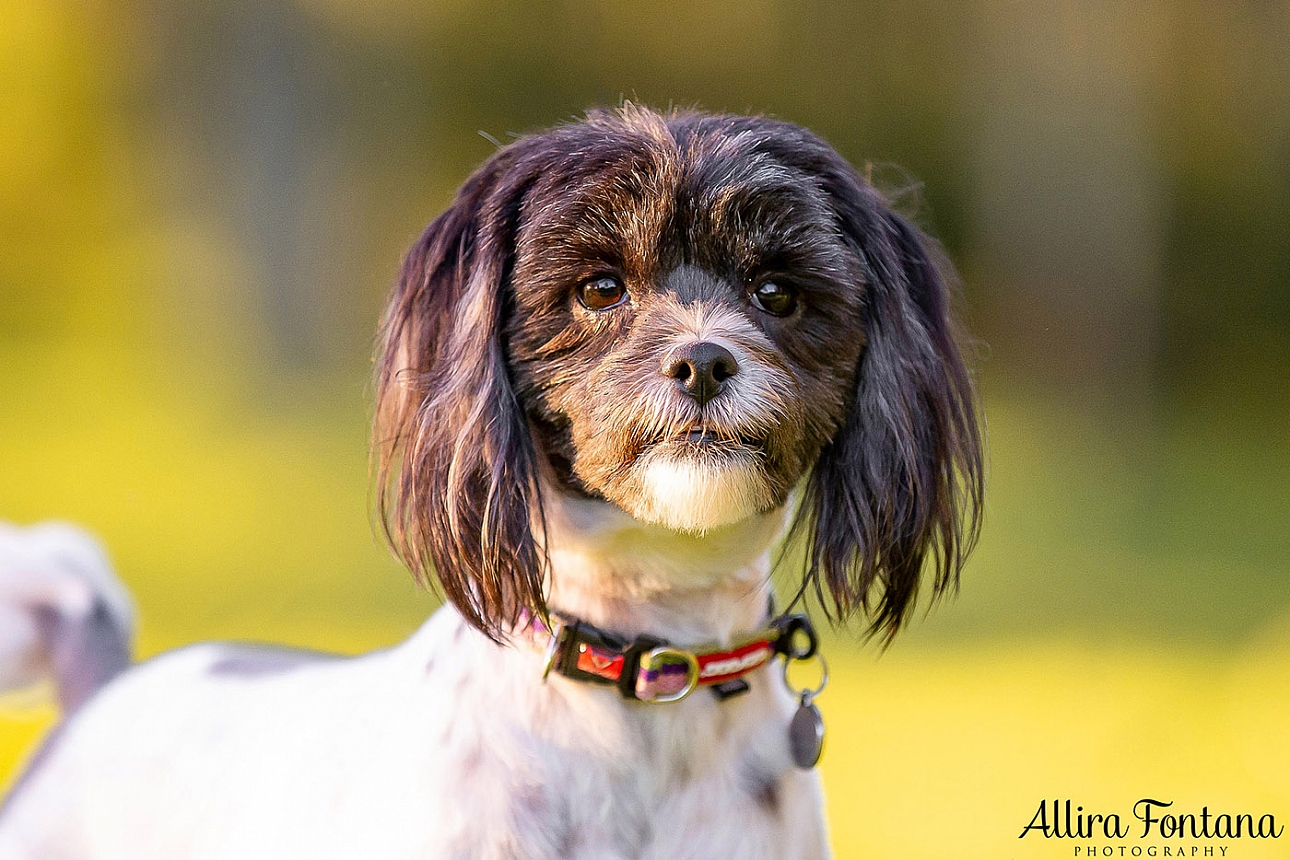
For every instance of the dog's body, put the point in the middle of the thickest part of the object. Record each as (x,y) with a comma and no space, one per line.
(604,371)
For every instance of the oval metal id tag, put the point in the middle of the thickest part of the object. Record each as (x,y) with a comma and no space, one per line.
(806,734)
(806,729)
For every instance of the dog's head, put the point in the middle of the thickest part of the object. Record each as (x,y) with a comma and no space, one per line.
(687,317)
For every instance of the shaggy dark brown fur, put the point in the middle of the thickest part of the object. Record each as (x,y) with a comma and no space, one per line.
(492,365)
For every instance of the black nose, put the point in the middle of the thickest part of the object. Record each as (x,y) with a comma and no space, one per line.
(701,369)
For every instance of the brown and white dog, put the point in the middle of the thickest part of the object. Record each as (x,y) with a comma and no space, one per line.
(634,354)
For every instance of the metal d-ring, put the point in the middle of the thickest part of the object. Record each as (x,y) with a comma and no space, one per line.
(653,660)
(804,693)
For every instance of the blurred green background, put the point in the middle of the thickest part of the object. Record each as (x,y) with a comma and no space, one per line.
(203,203)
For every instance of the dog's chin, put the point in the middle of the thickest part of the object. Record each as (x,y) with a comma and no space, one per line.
(695,488)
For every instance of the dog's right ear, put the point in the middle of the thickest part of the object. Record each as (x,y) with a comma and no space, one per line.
(454,460)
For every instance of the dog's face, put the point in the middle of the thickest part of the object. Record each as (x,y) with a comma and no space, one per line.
(686,324)
(686,317)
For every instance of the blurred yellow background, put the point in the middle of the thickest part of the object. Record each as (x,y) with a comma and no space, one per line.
(202,204)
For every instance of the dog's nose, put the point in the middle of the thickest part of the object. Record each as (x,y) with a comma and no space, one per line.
(701,369)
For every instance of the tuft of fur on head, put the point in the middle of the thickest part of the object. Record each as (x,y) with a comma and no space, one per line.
(491,371)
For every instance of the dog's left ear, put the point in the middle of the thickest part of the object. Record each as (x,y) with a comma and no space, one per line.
(903,477)
(455,462)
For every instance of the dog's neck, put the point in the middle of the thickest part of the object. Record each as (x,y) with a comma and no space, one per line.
(634,578)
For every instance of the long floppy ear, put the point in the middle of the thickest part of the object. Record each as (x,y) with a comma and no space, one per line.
(455,462)
(903,477)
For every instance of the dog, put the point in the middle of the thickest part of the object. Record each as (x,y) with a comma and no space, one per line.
(635,356)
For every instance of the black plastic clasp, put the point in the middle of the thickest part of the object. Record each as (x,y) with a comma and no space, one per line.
(786,643)
(572,640)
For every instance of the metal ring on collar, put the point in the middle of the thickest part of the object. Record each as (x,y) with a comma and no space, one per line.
(653,660)
(824,677)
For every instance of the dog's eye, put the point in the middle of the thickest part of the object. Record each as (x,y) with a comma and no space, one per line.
(775,298)
(601,293)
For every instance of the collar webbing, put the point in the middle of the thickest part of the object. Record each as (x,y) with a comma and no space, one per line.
(650,669)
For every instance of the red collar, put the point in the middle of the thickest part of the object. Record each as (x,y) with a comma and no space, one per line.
(651,670)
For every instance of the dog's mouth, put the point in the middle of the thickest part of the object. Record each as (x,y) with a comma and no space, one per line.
(700,438)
